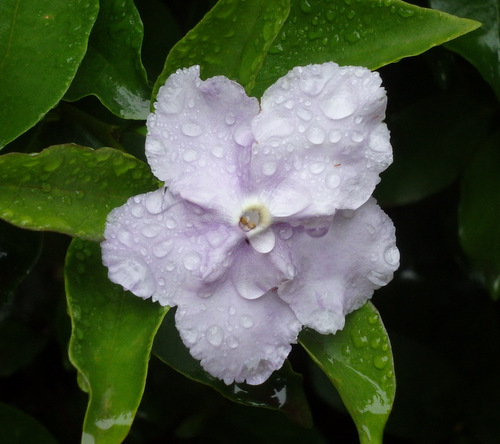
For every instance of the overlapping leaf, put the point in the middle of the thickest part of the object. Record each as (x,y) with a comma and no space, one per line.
(370,33)
(283,390)
(112,68)
(112,335)
(68,188)
(358,361)
(41,45)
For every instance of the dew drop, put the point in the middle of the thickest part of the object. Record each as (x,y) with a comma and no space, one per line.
(230,118)
(269,168)
(380,362)
(151,230)
(315,135)
(192,261)
(334,136)
(317,232)
(191,129)
(246,321)
(190,155)
(215,335)
(317,167)
(161,249)
(232,342)
(377,278)
(358,339)
(391,255)
(171,223)
(190,335)
(332,181)
(338,106)
(357,137)
(304,114)
(285,232)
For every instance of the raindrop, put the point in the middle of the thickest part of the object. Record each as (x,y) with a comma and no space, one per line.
(377,278)
(232,311)
(190,155)
(215,335)
(317,167)
(304,114)
(285,232)
(391,255)
(380,362)
(192,261)
(317,232)
(232,342)
(332,181)
(357,137)
(338,106)
(334,136)
(315,135)
(190,335)
(269,168)
(151,230)
(358,339)
(246,321)
(191,129)
(162,249)
(171,223)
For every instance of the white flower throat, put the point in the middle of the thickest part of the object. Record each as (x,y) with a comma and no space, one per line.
(255,218)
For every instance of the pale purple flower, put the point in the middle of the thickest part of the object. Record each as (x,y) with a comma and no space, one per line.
(267,224)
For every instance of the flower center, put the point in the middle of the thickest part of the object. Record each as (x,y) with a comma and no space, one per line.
(255,217)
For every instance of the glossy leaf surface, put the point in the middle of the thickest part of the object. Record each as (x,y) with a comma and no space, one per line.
(112,68)
(41,45)
(370,33)
(17,427)
(482,46)
(231,40)
(480,212)
(282,391)
(68,188)
(358,361)
(112,335)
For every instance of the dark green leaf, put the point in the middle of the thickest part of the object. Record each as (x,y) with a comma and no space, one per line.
(282,391)
(370,33)
(19,250)
(482,46)
(231,40)
(112,68)
(68,188)
(479,214)
(434,139)
(358,361)
(17,427)
(112,335)
(41,45)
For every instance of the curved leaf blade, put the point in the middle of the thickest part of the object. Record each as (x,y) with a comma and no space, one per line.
(479,213)
(481,47)
(112,335)
(231,40)
(16,427)
(282,391)
(69,188)
(41,45)
(358,361)
(370,33)
(112,69)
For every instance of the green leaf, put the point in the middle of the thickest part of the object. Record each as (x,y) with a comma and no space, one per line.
(479,213)
(434,139)
(358,361)
(282,391)
(19,251)
(370,33)
(17,427)
(112,335)
(231,40)
(68,188)
(481,47)
(41,45)
(112,68)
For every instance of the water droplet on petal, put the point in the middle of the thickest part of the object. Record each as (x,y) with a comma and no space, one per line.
(161,249)
(357,137)
(192,261)
(317,167)
(170,223)
(338,105)
(317,232)
(151,230)
(191,129)
(214,335)
(391,255)
(304,114)
(332,181)
(269,168)
(377,278)
(246,321)
(232,342)
(190,335)
(334,136)
(285,232)
(315,135)
(190,155)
